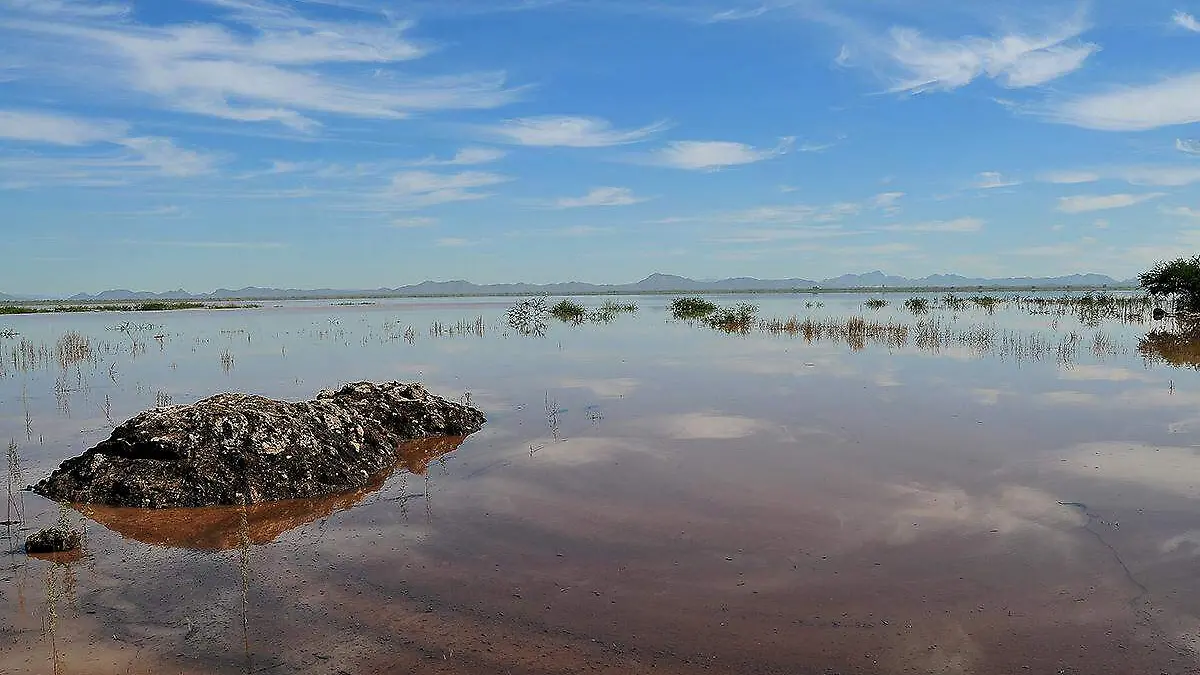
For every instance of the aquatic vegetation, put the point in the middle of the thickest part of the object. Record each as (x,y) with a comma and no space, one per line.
(529,316)
(568,311)
(736,319)
(688,308)
(917,305)
(149,306)
(1179,348)
(875,303)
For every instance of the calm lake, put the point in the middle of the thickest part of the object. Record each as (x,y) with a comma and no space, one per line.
(969,490)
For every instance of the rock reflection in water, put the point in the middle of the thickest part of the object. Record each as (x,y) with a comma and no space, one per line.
(223,528)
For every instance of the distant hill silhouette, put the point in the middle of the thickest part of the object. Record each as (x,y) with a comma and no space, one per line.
(655,283)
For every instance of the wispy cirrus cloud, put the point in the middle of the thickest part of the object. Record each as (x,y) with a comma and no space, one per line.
(888,201)
(1088,203)
(991,180)
(567,131)
(1187,146)
(1069,177)
(465,157)
(276,66)
(1171,101)
(1186,21)
(600,196)
(714,155)
(1014,60)
(1180,211)
(417,189)
(1164,175)
(414,221)
(52,128)
(944,226)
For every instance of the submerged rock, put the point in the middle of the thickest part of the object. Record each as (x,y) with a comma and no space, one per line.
(241,449)
(52,540)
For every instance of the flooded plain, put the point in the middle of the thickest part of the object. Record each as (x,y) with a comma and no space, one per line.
(957,488)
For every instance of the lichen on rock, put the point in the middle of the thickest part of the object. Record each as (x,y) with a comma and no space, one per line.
(243,449)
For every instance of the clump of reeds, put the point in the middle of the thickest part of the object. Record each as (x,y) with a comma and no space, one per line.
(917,305)
(953,302)
(875,303)
(226,361)
(569,311)
(857,332)
(15,509)
(736,319)
(476,327)
(72,348)
(8,333)
(688,308)
(610,310)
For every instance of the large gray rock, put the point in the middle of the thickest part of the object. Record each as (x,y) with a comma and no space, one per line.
(237,448)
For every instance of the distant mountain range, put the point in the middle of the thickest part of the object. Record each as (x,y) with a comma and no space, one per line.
(655,283)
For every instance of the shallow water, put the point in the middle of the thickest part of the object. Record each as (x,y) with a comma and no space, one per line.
(648,494)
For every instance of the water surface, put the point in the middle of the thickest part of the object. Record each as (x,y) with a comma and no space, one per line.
(648,495)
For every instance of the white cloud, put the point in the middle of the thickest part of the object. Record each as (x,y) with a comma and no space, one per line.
(713,155)
(1169,102)
(738,14)
(169,159)
(990,180)
(1186,21)
(1169,176)
(465,157)
(414,221)
(51,128)
(957,225)
(416,189)
(1188,146)
(1181,211)
(1157,175)
(454,242)
(886,200)
(1015,61)
(1069,177)
(601,196)
(1086,203)
(763,235)
(72,8)
(572,132)
(278,66)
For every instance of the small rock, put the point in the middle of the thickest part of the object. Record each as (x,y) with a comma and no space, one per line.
(52,540)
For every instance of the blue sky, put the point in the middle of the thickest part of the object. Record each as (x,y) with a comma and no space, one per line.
(366,143)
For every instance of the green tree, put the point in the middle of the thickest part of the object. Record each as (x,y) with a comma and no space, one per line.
(1179,278)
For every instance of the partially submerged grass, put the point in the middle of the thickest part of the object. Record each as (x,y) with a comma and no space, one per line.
(689,308)
(875,303)
(917,305)
(739,318)
(569,311)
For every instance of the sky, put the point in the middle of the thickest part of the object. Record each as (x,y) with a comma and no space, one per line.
(197,144)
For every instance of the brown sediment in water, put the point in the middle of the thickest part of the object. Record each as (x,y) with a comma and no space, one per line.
(222,528)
